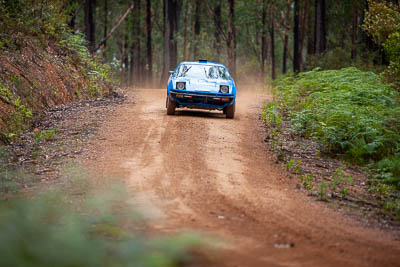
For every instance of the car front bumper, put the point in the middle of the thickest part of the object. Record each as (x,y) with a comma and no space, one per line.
(201,100)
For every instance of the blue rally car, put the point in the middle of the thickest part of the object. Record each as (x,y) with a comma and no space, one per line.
(201,85)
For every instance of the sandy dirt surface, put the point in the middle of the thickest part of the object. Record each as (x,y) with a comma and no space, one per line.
(198,170)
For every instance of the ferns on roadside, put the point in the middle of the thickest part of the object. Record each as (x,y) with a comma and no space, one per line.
(352,112)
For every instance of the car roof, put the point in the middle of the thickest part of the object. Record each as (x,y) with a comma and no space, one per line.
(202,63)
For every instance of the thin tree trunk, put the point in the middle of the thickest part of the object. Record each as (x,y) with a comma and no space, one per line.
(310,35)
(196,30)
(167,33)
(263,39)
(105,21)
(304,16)
(149,51)
(231,38)
(89,25)
(186,30)
(286,37)
(354,33)
(217,18)
(135,74)
(138,52)
(320,29)
(296,51)
(125,60)
(174,13)
(272,39)
(323,22)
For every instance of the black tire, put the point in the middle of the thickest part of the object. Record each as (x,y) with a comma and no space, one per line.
(224,110)
(171,106)
(230,111)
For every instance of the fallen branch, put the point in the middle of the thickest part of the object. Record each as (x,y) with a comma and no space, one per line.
(114,28)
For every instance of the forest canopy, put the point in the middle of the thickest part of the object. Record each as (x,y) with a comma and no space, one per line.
(255,39)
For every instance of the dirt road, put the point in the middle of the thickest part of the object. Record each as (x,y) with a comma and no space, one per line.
(198,170)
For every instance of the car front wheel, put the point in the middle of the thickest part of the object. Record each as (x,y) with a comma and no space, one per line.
(230,111)
(171,105)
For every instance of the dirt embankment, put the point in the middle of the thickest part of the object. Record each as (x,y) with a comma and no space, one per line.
(198,170)
(39,74)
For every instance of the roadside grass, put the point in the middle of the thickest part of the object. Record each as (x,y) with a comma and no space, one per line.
(353,115)
(83,223)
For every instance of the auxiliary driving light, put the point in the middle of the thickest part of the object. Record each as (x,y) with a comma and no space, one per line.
(224,89)
(180,85)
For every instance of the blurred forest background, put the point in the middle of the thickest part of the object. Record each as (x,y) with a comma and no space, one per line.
(256,39)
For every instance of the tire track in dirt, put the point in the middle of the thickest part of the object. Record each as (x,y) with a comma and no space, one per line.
(201,171)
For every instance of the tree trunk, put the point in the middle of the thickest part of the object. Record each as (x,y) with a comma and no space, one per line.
(125,60)
(286,37)
(304,16)
(296,37)
(135,77)
(217,18)
(354,33)
(272,39)
(263,39)
(89,25)
(105,21)
(196,30)
(320,29)
(231,38)
(168,37)
(186,31)
(149,51)
(310,35)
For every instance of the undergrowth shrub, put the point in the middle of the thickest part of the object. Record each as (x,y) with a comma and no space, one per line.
(382,23)
(49,230)
(351,112)
(42,18)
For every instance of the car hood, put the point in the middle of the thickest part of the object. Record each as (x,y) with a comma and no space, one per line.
(205,85)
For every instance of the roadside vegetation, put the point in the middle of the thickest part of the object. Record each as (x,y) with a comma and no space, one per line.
(43,64)
(83,224)
(353,115)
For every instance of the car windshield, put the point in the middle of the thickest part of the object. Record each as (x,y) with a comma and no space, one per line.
(202,72)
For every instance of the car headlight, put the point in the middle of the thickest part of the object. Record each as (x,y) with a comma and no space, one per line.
(224,89)
(180,86)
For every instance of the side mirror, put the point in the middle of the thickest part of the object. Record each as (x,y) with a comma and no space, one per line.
(171,71)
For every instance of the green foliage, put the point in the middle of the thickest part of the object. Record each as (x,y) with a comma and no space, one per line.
(352,112)
(96,71)
(322,192)
(271,116)
(294,166)
(306,181)
(388,169)
(345,192)
(19,118)
(43,18)
(49,231)
(392,207)
(382,22)
(45,135)
(339,178)
(392,48)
